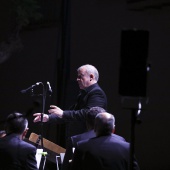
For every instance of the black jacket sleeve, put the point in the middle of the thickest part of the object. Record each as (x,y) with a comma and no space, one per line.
(94,98)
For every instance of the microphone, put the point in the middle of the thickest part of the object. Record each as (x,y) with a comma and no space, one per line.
(49,87)
(31,87)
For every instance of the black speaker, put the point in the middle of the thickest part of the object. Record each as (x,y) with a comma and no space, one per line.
(133,63)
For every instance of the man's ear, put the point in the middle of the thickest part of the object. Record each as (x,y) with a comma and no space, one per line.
(113,131)
(25,133)
(91,77)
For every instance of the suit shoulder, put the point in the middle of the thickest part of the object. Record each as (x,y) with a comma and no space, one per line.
(118,137)
(97,90)
(28,145)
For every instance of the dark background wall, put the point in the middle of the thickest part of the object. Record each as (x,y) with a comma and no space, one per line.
(95,39)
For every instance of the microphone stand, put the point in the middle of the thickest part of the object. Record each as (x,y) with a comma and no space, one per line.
(42,114)
(44,93)
(40,138)
(43,159)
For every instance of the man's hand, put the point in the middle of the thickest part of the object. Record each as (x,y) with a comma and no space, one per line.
(56,110)
(38,117)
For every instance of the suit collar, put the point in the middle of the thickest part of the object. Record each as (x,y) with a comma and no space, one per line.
(88,89)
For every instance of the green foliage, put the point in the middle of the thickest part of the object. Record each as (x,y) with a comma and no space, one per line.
(25,11)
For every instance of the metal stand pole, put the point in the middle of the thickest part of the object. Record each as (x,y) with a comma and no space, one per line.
(133,121)
(42,114)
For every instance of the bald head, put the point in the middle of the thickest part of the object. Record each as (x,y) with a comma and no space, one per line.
(90,69)
(87,75)
(104,124)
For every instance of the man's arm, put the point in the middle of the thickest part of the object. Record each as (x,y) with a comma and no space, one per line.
(48,118)
(94,98)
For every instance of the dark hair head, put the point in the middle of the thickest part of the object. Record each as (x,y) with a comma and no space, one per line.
(16,123)
(104,124)
(91,114)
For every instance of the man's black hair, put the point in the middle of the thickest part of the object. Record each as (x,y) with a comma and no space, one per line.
(15,123)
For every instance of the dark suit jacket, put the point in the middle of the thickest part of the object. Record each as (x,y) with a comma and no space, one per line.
(75,118)
(16,154)
(76,115)
(102,153)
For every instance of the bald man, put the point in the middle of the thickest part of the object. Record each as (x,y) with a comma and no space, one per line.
(103,152)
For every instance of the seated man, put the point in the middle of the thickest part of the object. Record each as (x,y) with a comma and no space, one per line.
(103,152)
(90,119)
(16,154)
(90,116)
